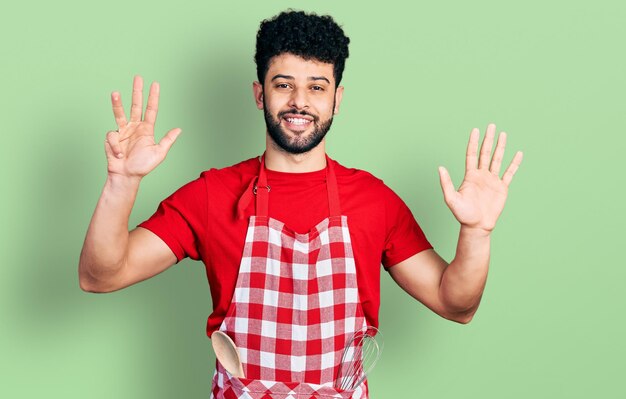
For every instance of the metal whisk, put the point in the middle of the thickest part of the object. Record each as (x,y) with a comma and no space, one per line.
(359,358)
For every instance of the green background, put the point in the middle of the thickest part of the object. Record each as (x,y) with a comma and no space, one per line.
(419,77)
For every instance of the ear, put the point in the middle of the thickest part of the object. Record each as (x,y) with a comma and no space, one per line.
(338,97)
(257,90)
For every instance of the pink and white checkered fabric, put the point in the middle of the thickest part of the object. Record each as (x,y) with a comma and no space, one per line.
(295,306)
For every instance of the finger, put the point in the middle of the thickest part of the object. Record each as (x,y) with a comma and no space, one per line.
(472,150)
(496,162)
(108,150)
(169,139)
(136,108)
(118,109)
(446,185)
(113,139)
(510,171)
(485,149)
(153,104)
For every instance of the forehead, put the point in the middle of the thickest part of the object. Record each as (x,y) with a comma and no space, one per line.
(298,67)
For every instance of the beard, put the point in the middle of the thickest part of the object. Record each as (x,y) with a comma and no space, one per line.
(301,143)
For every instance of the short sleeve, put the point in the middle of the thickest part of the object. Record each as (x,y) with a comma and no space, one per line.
(404,237)
(180,219)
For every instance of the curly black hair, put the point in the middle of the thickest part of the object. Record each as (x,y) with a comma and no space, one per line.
(309,36)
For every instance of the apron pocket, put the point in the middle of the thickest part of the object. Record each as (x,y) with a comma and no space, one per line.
(227,386)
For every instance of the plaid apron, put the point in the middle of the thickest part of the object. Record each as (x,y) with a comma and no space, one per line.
(295,306)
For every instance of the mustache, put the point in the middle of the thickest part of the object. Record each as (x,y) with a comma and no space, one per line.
(296,112)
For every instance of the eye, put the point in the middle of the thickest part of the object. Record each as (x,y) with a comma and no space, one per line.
(282,86)
(317,88)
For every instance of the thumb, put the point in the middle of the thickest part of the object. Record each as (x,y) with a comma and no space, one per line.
(168,140)
(446,185)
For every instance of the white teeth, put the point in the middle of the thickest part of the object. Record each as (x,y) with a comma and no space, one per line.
(297,121)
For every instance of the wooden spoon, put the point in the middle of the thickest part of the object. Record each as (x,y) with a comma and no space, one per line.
(227,353)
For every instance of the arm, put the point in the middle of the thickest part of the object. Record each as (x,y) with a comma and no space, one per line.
(454,291)
(112,257)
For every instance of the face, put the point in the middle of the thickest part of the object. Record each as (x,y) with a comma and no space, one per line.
(298,99)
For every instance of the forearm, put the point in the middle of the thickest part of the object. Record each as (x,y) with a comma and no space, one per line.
(106,242)
(463,281)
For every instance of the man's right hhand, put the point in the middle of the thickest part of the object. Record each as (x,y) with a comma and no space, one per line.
(131,150)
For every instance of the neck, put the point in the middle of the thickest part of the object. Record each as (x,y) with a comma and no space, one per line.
(279,160)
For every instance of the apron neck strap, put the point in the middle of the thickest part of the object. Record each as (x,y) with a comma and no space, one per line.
(262,189)
(332,188)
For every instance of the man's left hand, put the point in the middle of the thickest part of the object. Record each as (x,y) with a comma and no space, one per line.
(480,199)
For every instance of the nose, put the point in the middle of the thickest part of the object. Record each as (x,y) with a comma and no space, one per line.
(298,99)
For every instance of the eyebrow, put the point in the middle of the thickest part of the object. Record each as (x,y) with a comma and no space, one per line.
(289,77)
(319,78)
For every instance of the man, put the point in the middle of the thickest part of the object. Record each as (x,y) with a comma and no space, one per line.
(292,240)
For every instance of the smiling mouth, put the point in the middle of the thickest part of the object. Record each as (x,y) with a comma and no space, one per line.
(297,123)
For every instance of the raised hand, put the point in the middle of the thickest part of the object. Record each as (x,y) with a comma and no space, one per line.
(480,199)
(131,150)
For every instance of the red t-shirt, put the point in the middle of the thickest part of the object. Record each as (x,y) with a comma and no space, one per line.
(201,221)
